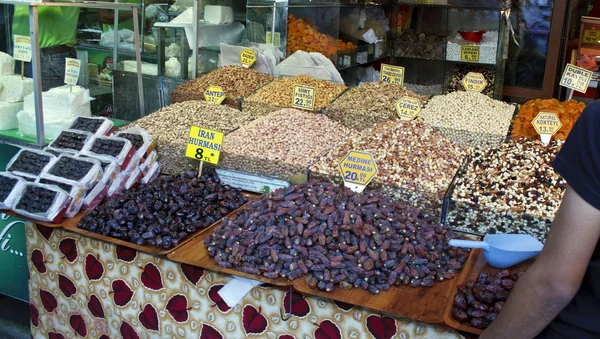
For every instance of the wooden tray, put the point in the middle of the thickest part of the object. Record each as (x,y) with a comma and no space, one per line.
(45,223)
(196,254)
(157,250)
(479,266)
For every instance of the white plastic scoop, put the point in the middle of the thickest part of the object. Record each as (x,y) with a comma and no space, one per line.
(504,250)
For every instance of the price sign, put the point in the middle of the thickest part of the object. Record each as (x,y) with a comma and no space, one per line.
(358,169)
(304,97)
(591,36)
(22,48)
(392,74)
(269,39)
(408,108)
(546,124)
(204,145)
(72,68)
(214,95)
(247,57)
(576,78)
(474,82)
(469,53)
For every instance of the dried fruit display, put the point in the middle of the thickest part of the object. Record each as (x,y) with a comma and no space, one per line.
(165,211)
(41,202)
(511,188)
(95,125)
(304,36)
(363,106)
(136,139)
(70,140)
(568,112)
(7,183)
(479,302)
(11,187)
(30,162)
(336,237)
(71,168)
(108,147)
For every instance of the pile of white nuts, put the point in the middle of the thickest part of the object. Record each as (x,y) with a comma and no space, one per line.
(511,188)
(470,119)
(487,48)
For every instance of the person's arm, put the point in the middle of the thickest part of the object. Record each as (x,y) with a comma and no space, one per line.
(554,278)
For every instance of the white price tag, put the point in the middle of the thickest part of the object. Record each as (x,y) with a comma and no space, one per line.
(22,48)
(72,69)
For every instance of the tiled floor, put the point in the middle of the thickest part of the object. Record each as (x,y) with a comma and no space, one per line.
(14,319)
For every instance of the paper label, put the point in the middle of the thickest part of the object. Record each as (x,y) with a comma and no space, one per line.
(204,145)
(408,108)
(362,57)
(474,82)
(392,74)
(546,123)
(358,169)
(469,53)
(72,68)
(591,36)
(304,97)
(347,60)
(250,182)
(576,78)
(22,48)
(214,95)
(277,39)
(247,57)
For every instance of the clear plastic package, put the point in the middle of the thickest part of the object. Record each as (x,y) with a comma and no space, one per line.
(133,164)
(151,173)
(71,140)
(57,152)
(110,168)
(133,179)
(30,163)
(86,171)
(43,202)
(117,186)
(140,139)
(74,189)
(111,148)
(94,125)
(11,187)
(95,196)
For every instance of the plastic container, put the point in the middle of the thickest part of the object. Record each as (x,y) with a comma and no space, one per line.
(43,202)
(472,36)
(94,125)
(74,189)
(71,140)
(140,139)
(110,148)
(133,179)
(95,196)
(110,169)
(117,186)
(57,152)
(85,171)
(151,174)
(30,163)
(150,161)
(11,188)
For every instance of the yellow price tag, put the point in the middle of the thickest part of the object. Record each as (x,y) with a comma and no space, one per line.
(247,57)
(358,169)
(269,39)
(392,74)
(591,36)
(22,50)
(214,95)
(204,145)
(469,53)
(546,124)
(576,78)
(304,97)
(408,108)
(474,82)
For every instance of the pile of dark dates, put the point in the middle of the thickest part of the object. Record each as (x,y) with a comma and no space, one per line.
(479,302)
(71,168)
(70,140)
(36,199)
(87,124)
(335,236)
(30,162)
(165,211)
(108,146)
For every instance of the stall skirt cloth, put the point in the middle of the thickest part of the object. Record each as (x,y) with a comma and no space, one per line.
(85,288)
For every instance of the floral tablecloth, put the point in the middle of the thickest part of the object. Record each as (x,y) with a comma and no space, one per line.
(85,288)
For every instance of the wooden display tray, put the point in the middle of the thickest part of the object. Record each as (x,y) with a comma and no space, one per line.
(480,265)
(72,226)
(45,223)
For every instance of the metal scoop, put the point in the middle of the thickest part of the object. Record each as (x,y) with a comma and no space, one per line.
(504,250)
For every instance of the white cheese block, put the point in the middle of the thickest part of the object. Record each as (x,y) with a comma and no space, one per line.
(218,14)
(8,115)
(63,102)
(7,64)
(15,88)
(52,126)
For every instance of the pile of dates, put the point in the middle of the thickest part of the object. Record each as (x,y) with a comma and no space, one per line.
(478,303)
(165,211)
(335,236)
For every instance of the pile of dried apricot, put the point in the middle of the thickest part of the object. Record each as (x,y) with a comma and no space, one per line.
(303,36)
(568,112)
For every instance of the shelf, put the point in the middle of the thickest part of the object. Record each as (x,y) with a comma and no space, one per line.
(130,54)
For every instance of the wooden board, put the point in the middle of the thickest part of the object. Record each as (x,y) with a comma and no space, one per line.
(157,250)
(196,254)
(480,265)
(425,304)
(45,223)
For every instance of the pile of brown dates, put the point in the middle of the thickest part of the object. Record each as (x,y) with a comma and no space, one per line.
(335,236)
(165,211)
(479,302)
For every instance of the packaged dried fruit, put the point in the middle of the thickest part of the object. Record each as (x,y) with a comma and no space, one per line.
(111,148)
(117,186)
(150,161)
(11,187)
(95,196)
(140,139)
(30,163)
(133,179)
(56,152)
(86,171)
(110,168)
(151,174)
(74,189)
(43,202)
(94,125)
(71,141)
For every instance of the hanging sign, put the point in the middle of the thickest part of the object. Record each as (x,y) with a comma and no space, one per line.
(214,95)
(358,169)
(591,36)
(469,53)
(304,97)
(204,145)
(22,48)
(474,82)
(247,57)
(72,68)
(392,74)
(576,78)
(408,108)
(546,124)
